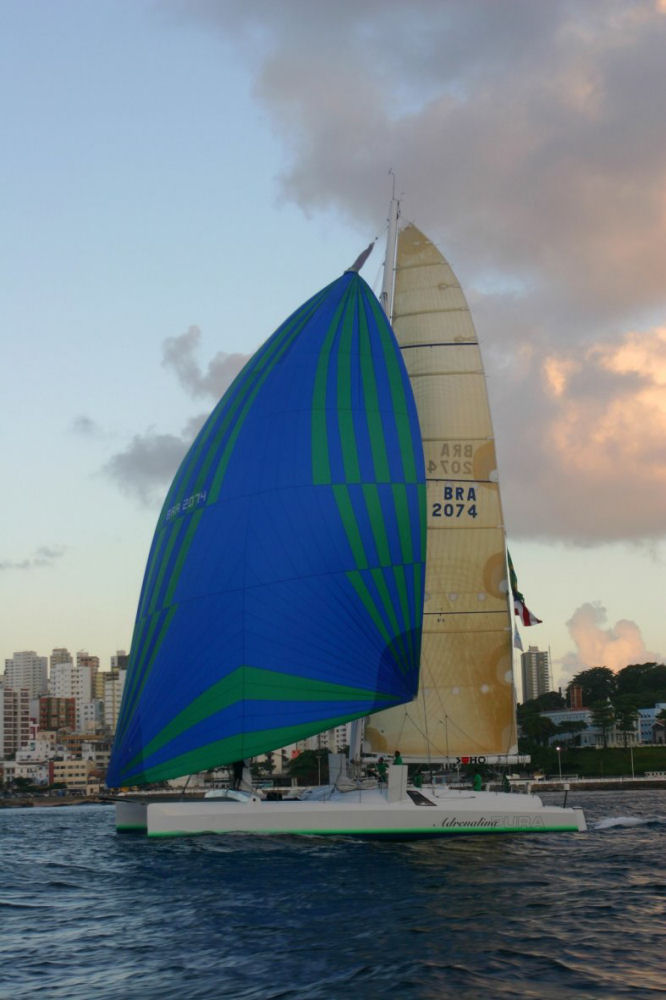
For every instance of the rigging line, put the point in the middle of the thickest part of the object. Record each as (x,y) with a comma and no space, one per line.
(443,708)
(420,731)
(425,719)
(440,702)
(423,733)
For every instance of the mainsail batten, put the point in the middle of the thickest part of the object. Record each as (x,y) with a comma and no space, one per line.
(284,588)
(465,704)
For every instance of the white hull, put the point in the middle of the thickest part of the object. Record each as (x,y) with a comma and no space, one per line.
(130,815)
(361,813)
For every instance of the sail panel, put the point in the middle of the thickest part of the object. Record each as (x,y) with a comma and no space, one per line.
(462,407)
(284,588)
(465,703)
(423,328)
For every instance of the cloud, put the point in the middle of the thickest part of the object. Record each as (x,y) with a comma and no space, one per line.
(583,439)
(525,141)
(179,354)
(85,426)
(614,646)
(519,132)
(146,466)
(44,556)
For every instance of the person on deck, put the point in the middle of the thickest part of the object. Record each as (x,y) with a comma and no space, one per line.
(238,773)
(397,759)
(477,782)
(382,769)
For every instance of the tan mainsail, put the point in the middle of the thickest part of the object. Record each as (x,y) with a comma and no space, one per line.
(465,703)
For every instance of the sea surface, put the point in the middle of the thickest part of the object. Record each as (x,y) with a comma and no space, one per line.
(89,914)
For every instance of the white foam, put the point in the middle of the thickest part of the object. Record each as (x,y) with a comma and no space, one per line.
(611,821)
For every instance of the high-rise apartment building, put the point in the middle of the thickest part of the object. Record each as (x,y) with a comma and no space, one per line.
(114,681)
(14,720)
(57,713)
(60,655)
(26,671)
(535,673)
(84,659)
(70,681)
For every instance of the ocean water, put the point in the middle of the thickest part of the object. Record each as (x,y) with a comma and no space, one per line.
(87,914)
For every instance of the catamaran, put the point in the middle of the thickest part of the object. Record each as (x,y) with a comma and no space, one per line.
(332,549)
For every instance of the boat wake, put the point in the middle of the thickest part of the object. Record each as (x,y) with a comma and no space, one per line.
(613,822)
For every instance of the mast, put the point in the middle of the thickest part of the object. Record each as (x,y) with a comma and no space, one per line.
(386,299)
(388,283)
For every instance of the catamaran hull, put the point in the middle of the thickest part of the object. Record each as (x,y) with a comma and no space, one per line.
(365,815)
(130,815)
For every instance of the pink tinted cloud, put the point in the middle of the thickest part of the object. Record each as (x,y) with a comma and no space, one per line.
(601,645)
(590,463)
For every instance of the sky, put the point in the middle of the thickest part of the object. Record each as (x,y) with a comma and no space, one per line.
(177,176)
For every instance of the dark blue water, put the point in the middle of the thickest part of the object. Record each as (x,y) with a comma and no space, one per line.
(87,913)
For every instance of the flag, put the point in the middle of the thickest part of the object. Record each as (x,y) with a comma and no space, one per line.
(519,606)
(517,641)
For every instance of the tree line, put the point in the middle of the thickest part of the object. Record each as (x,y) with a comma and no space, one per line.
(613,699)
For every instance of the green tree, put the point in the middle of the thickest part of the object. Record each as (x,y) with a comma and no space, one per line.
(264,767)
(23,784)
(626,713)
(551,701)
(598,684)
(645,679)
(310,767)
(570,731)
(603,717)
(537,729)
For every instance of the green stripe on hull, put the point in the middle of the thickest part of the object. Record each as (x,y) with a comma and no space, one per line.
(402,832)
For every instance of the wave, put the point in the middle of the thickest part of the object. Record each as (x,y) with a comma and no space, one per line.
(611,822)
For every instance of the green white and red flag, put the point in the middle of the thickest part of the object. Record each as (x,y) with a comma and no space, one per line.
(519,606)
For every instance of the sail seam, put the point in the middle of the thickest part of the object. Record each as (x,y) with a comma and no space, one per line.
(440,343)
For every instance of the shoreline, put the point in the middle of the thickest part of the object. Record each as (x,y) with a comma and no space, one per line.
(41,801)
(617,784)
(614,784)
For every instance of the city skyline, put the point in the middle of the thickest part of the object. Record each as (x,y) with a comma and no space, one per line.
(178,178)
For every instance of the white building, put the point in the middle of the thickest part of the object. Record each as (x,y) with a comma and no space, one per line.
(37,772)
(114,682)
(90,715)
(85,659)
(591,736)
(26,671)
(331,739)
(588,737)
(70,681)
(646,720)
(41,748)
(97,751)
